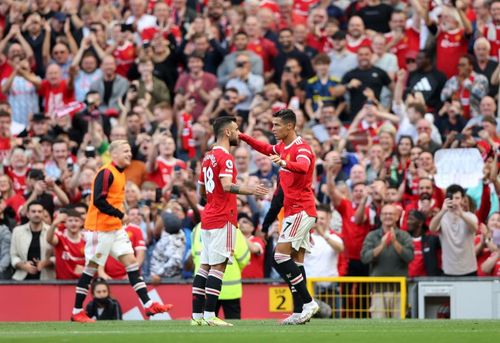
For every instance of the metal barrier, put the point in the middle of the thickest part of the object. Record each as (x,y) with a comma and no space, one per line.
(360,297)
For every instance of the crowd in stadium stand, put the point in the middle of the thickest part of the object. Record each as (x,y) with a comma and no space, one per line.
(378,88)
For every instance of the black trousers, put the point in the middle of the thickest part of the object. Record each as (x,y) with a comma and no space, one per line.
(231,308)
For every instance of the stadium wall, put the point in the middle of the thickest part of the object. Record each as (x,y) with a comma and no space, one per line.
(53,302)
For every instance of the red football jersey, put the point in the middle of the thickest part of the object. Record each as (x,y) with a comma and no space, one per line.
(114,268)
(353,45)
(68,255)
(266,49)
(410,42)
(450,46)
(492,34)
(55,97)
(353,234)
(417,266)
(255,269)
(221,206)
(297,187)
(124,56)
(162,176)
(18,181)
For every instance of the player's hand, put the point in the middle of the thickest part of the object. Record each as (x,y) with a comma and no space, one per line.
(259,190)
(277,159)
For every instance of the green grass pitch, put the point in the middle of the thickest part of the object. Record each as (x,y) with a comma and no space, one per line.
(257,331)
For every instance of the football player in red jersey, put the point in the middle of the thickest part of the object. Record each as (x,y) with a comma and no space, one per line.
(297,162)
(218,221)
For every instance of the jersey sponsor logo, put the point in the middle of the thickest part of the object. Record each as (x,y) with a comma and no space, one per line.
(445,43)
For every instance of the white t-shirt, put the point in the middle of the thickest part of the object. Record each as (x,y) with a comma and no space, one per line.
(323,260)
(457,242)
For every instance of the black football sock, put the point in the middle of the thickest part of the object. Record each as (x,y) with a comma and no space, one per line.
(293,273)
(138,284)
(82,287)
(212,289)
(199,283)
(297,300)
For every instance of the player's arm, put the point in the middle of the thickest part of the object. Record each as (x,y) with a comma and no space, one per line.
(262,147)
(300,166)
(202,191)
(235,188)
(103,182)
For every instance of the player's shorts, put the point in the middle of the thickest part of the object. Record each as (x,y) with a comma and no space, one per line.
(295,230)
(100,244)
(217,245)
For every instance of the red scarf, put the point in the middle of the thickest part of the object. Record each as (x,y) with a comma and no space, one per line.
(187,134)
(464,97)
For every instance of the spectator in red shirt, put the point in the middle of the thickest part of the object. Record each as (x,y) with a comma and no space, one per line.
(66,237)
(401,40)
(426,248)
(491,243)
(356,35)
(17,169)
(55,91)
(256,245)
(452,38)
(263,47)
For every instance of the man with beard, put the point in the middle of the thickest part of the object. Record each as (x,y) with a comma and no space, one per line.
(426,247)
(492,30)
(356,35)
(219,219)
(428,202)
(288,50)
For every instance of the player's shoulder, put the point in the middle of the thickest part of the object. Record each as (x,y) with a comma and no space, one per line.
(301,143)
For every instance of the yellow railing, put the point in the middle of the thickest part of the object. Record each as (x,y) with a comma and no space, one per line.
(361,297)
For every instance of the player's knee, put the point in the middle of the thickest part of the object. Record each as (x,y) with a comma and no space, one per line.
(280,257)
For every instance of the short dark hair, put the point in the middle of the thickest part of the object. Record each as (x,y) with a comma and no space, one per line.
(286,29)
(452,189)
(220,124)
(196,55)
(324,208)
(71,212)
(418,107)
(287,115)
(34,203)
(469,58)
(321,59)
(231,89)
(241,33)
